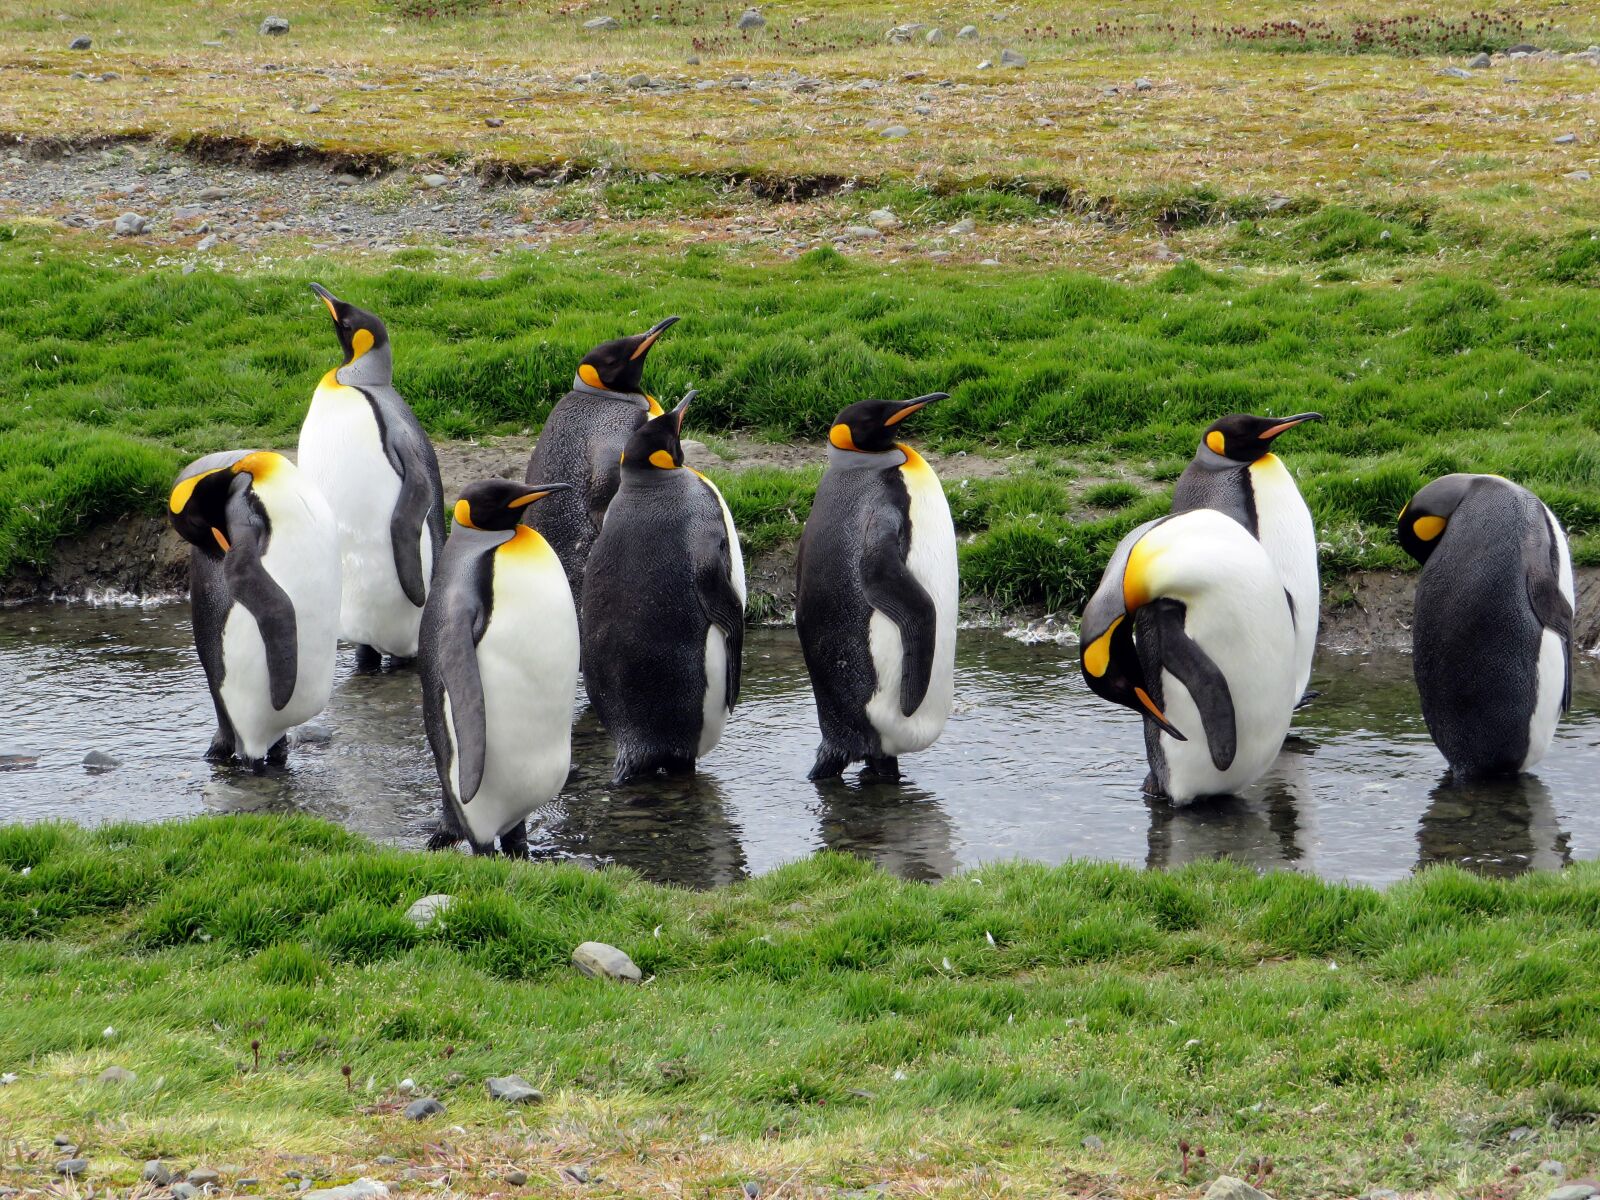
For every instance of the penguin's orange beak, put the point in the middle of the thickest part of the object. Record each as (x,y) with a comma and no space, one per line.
(650,335)
(1288,423)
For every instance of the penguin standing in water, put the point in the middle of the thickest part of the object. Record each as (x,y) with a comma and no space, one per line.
(1191,628)
(582,441)
(362,445)
(876,593)
(1235,472)
(263,594)
(1491,630)
(499,666)
(663,608)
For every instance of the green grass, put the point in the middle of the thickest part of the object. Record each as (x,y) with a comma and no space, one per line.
(824,1022)
(115,376)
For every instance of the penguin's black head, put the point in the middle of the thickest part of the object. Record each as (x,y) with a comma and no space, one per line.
(1245,438)
(198,505)
(658,442)
(499,504)
(618,365)
(1424,517)
(869,426)
(359,331)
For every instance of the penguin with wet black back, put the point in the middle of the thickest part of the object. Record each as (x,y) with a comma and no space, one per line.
(663,608)
(1236,472)
(876,594)
(499,667)
(582,441)
(263,595)
(1491,628)
(363,447)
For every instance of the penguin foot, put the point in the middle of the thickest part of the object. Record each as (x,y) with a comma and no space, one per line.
(830,764)
(397,663)
(221,748)
(279,753)
(882,769)
(443,837)
(368,659)
(514,841)
(1310,695)
(1152,788)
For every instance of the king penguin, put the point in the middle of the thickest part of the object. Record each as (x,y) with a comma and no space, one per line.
(582,441)
(876,594)
(363,447)
(499,666)
(1491,630)
(663,608)
(1190,628)
(1235,472)
(263,595)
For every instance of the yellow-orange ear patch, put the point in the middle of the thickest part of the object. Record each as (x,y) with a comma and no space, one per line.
(1097,658)
(1428,528)
(662,459)
(463,514)
(589,375)
(1216,442)
(361,343)
(655,405)
(185,489)
(839,435)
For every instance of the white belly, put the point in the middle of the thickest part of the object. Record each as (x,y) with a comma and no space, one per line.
(342,452)
(715,706)
(1287,534)
(1553,659)
(932,560)
(528,665)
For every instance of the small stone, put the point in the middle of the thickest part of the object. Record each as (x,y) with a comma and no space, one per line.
(989,262)
(515,1177)
(579,1174)
(985,65)
(901,34)
(361,1189)
(600,961)
(274,27)
(212,193)
(751,18)
(1479,62)
(82,42)
(967,32)
(1522,48)
(72,1167)
(1551,1167)
(1274,203)
(1381,1194)
(108,76)
(862,233)
(419,1110)
(603,23)
(345,180)
(435,181)
(127,225)
(203,1177)
(893,131)
(64,1139)
(883,218)
(185,1191)
(1142,84)
(752,1189)
(422,913)
(693,60)
(935,37)
(963,227)
(1566,139)
(1093,1143)
(639,81)
(514,1089)
(117,1075)
(494,122)
(209,242)
(1010,58)
(1456,72)
(1226,1187)
(1573,1191)
(386,1160)
(1577,176)
(20,762)
(156,1172)
(312,109)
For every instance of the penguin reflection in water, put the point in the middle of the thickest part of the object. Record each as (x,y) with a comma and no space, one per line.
(875,595)
(499,666)
(663,608)
(1191,628)
(1491,630)
(263,594)
(362,446)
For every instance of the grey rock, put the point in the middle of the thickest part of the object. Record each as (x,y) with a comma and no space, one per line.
(117,1075)
(63,1139)
(202,1177)
(248,1181)
(1522,48)
(967,32)
(212,193)
(72,1167)
(515,1177)
(188,212)
(312,109)
(1381,1194)
(578,1174)
(435,181)
(1566,139)
(419,1110)
(82,42)
(862,233)
(1093,1143)
(640,81)
(209,242)
(156,1172)
(514,1089)
(345,180)
(893,131)
(963,227)
(1142,84)
(185,1191)
(274,27)
(386,1160)
(1456,72)
(1010,58)
(985,65)
(423,912)
(1520,1134)
(693,60)
(1577,176)
(361,1189)
(1551,1167)
(1573,1191)
(99,758)
(752,1189)
(127,225)
(188,268)
(600,961)
(313,735)
(212,45)
(935,37)
(751,18)
(883,218)
(494,122)
(1274,203)
(901,34)
(1479,62)
(1226,1187)
(21,762)
(603,23)
(108,76)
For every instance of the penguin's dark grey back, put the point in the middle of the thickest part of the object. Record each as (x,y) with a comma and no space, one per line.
(404,436)
(1223,485)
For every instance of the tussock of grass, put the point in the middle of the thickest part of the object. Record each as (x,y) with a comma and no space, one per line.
(825,1014)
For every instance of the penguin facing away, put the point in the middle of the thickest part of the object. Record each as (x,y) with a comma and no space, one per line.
(1235,472)
(1491,629)
(363,447)
(663,608)
(1190,628)
(582,441)
(876,595)
(263,596)
(499,666)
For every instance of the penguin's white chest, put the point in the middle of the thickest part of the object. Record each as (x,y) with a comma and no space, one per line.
(714,705)
(341,448)
(1286,533)
(528,668)
(1553,659)
(932,562)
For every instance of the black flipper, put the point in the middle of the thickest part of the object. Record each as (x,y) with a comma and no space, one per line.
(1208,688)
(454,673)
(721,604)
(1541,559)
(418,504)
(893,590)
(259,593)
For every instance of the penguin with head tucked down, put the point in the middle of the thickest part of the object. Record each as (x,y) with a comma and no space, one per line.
(1235,472)
(663,608)
(363,447)
(263,593)
(1491,630)
(1191,629)
(499,666)
(582,441)
(876,594)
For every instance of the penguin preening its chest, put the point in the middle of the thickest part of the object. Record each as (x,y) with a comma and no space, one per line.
(499,667)
(663,608)
(363,447)
(1235,472)
(263,593)
(1190,627)
(1491,630)
(582,441)
(876,595)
